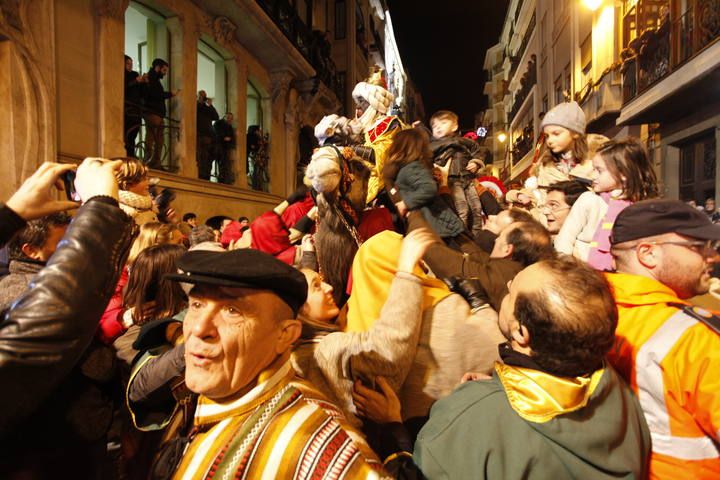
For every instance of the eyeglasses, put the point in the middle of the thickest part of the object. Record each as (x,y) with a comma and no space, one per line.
(554,207)
(705,248)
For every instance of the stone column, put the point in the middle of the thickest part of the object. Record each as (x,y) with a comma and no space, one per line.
(280,85)
(240,105)
(111,41)
(184,35)
(292,133)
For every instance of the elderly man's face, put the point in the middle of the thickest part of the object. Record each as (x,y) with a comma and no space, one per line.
(231,335)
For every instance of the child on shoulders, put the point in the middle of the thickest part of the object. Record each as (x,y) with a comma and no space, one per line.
(623,174)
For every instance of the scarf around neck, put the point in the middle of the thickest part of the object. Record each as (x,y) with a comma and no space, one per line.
(138,202)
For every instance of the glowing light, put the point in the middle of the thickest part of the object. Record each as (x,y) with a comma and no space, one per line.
(501,137)
(593,4)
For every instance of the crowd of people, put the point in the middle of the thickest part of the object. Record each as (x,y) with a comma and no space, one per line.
(145,106)
(400,315)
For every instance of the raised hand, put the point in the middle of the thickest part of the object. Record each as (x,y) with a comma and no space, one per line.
(35,199)
(414,246)
(96,177)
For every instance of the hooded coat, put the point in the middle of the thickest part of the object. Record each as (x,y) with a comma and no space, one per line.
(525,424)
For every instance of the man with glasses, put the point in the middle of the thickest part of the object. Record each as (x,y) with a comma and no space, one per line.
(561,196)
(666,349)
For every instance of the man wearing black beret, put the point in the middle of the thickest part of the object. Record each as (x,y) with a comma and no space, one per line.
(254,417)
(668,350)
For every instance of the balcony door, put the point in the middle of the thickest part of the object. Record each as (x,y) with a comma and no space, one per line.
(698,160)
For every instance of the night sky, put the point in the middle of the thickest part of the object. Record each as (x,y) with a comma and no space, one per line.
(442,44)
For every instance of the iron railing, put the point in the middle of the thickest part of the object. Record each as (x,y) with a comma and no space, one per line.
(312,44)
(515,59)
(140,148)
(659,51)
(523,143)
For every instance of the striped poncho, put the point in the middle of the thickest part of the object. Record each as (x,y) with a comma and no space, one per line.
(282,428)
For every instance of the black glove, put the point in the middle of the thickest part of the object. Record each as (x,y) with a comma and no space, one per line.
(470,289)
(304,225)
(297,195)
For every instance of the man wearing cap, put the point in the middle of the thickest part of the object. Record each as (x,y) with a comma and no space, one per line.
(254,418)
(667,350)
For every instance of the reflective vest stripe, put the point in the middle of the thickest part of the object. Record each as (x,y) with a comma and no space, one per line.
(651,394)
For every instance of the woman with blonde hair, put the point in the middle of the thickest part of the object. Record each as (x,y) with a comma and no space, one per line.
(134,184)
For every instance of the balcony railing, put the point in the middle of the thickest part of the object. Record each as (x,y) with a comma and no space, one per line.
(524,142)
(515,59)
(312,44)
(659,51)
(527,82)
(157,152)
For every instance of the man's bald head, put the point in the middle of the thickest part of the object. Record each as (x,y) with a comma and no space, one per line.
(569,314)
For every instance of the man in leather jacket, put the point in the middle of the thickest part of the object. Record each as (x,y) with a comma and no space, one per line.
(44,335)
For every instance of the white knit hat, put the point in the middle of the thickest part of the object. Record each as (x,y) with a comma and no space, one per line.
(568,115)
(324,171)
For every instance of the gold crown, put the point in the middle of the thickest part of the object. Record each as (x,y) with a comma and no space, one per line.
(376,77)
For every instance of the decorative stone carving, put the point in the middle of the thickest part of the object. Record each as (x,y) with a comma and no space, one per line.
(10,11)
(114,9)
(280,85)
(223,30)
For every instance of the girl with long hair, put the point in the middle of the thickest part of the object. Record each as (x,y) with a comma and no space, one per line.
(148,296)
(623,174)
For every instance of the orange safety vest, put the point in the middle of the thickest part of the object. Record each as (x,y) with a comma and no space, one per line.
(672,362)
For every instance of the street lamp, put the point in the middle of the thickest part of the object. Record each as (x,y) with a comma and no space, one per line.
(592,4)
(502,137)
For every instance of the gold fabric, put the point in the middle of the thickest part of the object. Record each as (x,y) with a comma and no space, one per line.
(380,146)
(373,271)
(539,397)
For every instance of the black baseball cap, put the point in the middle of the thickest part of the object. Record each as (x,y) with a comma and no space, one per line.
(245,268)
(656,217)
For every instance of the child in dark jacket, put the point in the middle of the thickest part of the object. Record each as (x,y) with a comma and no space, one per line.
(409,179)
(447,145)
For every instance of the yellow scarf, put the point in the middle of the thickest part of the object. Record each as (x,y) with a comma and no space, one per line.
(373,271)
(539,397)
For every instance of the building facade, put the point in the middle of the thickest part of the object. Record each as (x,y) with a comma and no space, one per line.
(275,64)
(630,65)
(366,39)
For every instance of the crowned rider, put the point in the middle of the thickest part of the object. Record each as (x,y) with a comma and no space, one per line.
(373,102)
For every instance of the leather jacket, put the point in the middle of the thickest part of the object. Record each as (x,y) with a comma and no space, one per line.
(45,333)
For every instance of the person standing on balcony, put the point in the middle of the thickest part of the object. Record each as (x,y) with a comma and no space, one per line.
(206,115)
(154,101)
(133,99)
(225,138)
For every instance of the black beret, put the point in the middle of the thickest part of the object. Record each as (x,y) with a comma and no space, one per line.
(245,268)
(656,217)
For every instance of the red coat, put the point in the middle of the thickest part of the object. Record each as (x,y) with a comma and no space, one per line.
(111,327)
